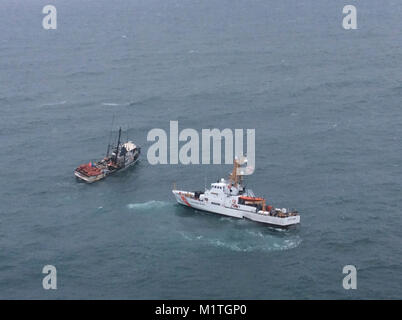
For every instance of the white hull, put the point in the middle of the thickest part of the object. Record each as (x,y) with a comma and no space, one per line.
(242,212)
(90,179)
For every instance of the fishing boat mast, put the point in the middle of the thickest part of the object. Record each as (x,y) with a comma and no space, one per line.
(117,148)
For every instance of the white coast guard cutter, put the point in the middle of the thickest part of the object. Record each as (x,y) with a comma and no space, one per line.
(231,198)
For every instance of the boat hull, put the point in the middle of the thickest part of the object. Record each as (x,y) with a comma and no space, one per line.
(88,179)
(92,179)
(185,199)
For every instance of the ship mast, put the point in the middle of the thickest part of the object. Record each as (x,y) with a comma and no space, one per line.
(234,178)
(118,145)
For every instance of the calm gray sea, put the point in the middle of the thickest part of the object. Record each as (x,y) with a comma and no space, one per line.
(326,106)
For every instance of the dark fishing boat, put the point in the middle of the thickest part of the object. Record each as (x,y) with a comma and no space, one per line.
(123,156)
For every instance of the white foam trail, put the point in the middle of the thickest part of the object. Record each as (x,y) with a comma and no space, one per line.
(147,205)
(258,242)
(115,104)
(111,104)
(53,104)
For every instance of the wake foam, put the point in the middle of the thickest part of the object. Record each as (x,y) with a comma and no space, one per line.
(250,241)
(51,104)
(115,104)
(152,204)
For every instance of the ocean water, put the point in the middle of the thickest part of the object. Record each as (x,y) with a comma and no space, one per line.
(326,106)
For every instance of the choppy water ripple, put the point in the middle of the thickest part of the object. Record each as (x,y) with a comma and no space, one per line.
(325,104)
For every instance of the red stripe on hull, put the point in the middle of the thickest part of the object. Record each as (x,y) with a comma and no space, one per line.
(185,201)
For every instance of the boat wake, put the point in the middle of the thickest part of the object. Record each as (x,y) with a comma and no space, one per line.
(247,241)
(149,205)
(113,104)
(51,104)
